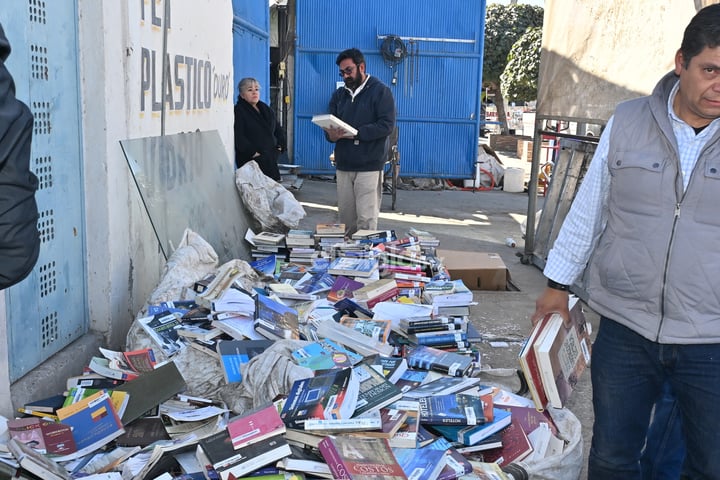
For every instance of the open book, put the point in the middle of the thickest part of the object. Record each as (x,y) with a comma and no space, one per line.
(329,120)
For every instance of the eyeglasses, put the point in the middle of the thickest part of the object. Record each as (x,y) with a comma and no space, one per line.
(347,71)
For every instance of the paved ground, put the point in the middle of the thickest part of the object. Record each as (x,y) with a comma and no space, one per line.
(478,221)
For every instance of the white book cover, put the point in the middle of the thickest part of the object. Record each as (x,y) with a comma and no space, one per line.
(329,120)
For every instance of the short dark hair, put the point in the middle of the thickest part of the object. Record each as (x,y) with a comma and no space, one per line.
(352,53)
(702,31)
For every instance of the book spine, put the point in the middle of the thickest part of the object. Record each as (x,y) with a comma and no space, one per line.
(333,459)
(389,295)
(435,338)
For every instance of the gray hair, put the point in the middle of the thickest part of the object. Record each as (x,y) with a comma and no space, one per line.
(246,82)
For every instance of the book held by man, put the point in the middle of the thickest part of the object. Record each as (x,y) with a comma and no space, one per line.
(329,120)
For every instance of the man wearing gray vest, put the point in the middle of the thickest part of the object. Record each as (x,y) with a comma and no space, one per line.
(646,222)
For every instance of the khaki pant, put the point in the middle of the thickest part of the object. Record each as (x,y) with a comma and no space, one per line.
(359,197)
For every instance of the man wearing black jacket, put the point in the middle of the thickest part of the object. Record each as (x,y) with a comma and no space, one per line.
(19,236)
(367,105)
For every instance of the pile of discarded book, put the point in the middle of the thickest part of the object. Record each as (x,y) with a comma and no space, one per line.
(372,353)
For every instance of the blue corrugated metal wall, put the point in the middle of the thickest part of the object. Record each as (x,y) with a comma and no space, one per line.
(251,44)
(437,92)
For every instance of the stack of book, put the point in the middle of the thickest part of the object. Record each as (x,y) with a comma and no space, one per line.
(264,244)
(374,237)
(327,235)
(301,246)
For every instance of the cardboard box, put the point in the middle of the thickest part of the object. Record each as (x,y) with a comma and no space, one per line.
(477,270)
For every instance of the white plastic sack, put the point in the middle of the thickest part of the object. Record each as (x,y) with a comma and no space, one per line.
(193,260)
(489,164)
(271,204)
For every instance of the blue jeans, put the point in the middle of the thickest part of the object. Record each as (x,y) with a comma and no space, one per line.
(628,373)
(664,452)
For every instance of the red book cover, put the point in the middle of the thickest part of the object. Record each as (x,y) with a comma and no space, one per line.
(516,446)
(255,425)
(530,418)
(529,366)
(355,458)
(389,295)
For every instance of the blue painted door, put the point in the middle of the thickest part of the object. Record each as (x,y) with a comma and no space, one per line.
(251,44)
(47,311)
(437,85)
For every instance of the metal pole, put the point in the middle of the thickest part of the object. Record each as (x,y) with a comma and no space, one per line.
(532,195)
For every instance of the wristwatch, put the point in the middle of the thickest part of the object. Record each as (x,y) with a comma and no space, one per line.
(557,286)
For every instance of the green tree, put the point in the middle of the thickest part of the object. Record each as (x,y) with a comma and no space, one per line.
(504,25)
(519,81)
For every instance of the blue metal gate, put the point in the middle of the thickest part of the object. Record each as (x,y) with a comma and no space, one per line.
(251,44)
(47,311)
(437,88)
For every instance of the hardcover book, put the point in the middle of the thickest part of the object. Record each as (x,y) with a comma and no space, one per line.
(236,353)
(42,435)
(256,425)
(563,354)
(429,358)
(354,458)
(452,409)
(375,391)
(515,446)
(331,395)
(530,418)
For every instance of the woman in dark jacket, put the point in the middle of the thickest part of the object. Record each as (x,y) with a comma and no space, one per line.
(258,136)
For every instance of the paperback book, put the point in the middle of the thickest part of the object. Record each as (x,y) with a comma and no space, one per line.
(452,409)
(472,434)
(332,394)
(236,353)
(256,425)
(343,287)
(276,321)
(325,354)
(429,358)
(355,458)
(375,390)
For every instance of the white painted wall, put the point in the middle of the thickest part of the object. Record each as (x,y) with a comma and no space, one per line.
(121,98)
